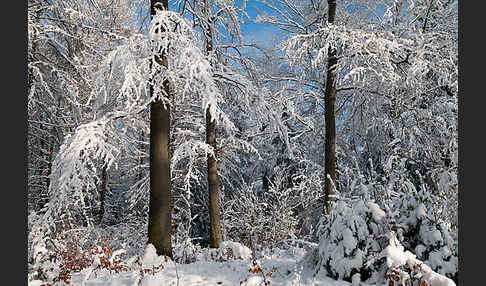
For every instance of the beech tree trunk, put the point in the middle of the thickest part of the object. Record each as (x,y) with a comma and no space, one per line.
(160,217)
(330,121)
(215,235)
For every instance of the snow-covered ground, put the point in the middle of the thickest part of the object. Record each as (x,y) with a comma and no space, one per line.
(280,267)
(233,264)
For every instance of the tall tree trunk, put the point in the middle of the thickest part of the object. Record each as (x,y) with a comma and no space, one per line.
(42,154)
(330,121)
(215,235)
(103,191)
(160,217)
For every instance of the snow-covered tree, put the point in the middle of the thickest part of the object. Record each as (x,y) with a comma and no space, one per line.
(66,43)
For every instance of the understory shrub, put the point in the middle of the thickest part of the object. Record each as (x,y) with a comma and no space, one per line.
(256,219)
(404,269)
(351,238)
(227,250)
(187,252)
(55,256)
(427,236)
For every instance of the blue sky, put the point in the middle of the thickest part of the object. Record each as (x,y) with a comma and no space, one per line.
(252,31)
(261,33)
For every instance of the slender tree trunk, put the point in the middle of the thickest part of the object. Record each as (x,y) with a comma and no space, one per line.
(43,155)
(159,226)
(265,182)
(50,158)
(53,145)
(103,190)
(30,78)
(44,170)
(215,235)
(330,121)
(31,56)
(140,160)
